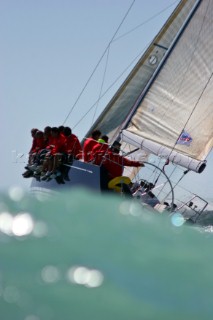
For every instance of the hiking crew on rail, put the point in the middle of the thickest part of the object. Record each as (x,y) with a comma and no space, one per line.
(54,149)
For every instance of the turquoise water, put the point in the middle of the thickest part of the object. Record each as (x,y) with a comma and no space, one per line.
(82,256)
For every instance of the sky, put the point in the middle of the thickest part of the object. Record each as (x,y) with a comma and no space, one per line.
(49,49)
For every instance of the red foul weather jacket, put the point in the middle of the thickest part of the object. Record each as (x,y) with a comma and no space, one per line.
(87,149)
(57,145)
(98,151)
(114,163)
(38,145)
(72,145)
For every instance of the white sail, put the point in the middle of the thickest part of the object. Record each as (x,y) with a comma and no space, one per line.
(119,108)
(177,110)
(167,98)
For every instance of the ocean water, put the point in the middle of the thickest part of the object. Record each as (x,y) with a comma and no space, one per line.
(82,256)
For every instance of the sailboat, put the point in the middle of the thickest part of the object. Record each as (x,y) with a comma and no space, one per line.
(163,112)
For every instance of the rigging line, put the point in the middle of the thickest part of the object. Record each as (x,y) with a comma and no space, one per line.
(175,167)
(150,176)
(102,84)
(145,22)
(99,62)
(184,173)
(153,173)
(177,182)
(181,187)
(108,89)
(162,170)
(167,178)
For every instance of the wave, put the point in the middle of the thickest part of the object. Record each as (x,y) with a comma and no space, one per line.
(83,256)
(206,218)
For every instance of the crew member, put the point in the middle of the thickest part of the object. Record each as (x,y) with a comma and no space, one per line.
(114,163)
(89,143)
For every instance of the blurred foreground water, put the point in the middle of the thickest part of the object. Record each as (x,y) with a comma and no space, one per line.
(83,256)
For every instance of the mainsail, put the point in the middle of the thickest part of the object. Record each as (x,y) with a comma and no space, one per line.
(177,110)
(167,99)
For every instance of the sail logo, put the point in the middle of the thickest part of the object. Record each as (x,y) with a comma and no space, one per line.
(184,138)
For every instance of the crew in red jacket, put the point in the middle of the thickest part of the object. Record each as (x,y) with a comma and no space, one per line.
(39,142)
(72,144)
(57,142)
(114,163)
(99,150)
(61,130)
(54,157)
(38,147)
(89,143)
(47,135)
